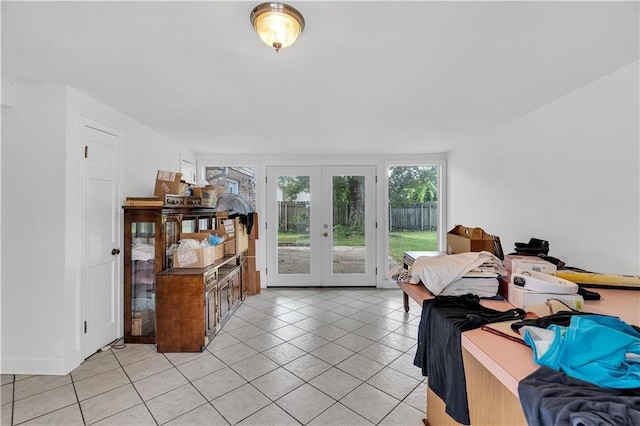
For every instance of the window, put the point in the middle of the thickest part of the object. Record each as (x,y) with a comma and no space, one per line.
(232,186)
(235,180)
(413,210)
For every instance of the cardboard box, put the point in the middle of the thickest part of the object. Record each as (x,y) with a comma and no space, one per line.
(200,257)
(515,262)
(462,240)
(253,283)
(236,231)
(143,323)
(253,276)
(229,227)
(169,183)
(242,238)
(253,235)
(521,298)
(251,263)
(209,196)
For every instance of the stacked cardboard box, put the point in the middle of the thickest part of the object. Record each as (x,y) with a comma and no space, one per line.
(235,232)
(199,257)
(462,239)
(169,183)
(142,323)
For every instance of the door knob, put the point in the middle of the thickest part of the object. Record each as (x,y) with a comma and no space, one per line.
(325,234)
(115,251)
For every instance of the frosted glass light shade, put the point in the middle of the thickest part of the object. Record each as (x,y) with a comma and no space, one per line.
(277,24)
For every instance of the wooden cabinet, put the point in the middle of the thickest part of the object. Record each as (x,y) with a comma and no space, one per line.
(192,304)
(149,234)
(179,309)
(212,323)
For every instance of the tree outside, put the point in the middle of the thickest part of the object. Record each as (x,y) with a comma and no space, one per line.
(413,210)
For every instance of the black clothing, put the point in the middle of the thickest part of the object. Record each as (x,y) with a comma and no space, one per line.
(439,351)
(562,318)
(550,397)
(245,219)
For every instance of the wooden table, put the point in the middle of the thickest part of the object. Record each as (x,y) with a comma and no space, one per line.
(494,366)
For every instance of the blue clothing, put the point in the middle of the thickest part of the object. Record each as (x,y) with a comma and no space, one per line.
(599,349)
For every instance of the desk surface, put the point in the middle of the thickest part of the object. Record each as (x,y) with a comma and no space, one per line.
(511,362)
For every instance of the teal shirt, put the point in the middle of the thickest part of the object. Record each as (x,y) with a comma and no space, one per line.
(599,349)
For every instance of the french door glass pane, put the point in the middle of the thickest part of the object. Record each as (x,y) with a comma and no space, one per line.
(294,219)
(348,248)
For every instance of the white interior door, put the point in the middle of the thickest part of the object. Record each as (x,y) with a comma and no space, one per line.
(321,226)
(101,278)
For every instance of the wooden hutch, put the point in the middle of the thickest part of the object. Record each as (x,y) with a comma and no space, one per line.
(178,309)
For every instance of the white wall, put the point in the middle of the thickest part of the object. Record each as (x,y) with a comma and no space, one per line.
(42,218)
(33,179)
(567,173)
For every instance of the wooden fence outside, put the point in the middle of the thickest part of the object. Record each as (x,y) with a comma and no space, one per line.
(414,217)
(411,217)
(293,215)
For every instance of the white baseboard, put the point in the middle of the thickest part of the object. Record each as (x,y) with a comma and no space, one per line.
(57,366)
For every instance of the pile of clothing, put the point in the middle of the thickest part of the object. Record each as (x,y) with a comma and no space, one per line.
(590,370)
(457,274)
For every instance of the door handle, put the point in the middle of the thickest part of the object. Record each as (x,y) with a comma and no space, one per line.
(115,251)
(325,234)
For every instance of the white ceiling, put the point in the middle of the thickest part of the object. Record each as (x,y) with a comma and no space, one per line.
(364,77)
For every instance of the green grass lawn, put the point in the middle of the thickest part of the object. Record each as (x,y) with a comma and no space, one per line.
(348,240)
(399,242)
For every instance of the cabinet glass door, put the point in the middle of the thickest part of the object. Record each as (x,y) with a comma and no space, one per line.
(188,225)
(143,278)
(170,243)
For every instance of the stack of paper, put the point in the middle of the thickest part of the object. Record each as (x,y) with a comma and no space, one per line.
(481,281)
(458,274)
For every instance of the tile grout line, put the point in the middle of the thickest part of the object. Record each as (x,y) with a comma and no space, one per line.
(75,391)
(362,311)
(195,387)
(13,399)
(39,393)
(134,388)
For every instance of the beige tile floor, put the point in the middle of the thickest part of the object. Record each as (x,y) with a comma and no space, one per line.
(286,357)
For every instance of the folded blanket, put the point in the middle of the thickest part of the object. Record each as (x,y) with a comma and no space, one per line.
(436,273)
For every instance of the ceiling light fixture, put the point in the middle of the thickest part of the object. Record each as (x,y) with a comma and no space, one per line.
(277,24)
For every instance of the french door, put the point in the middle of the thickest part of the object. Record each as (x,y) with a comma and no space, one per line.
(321,226)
